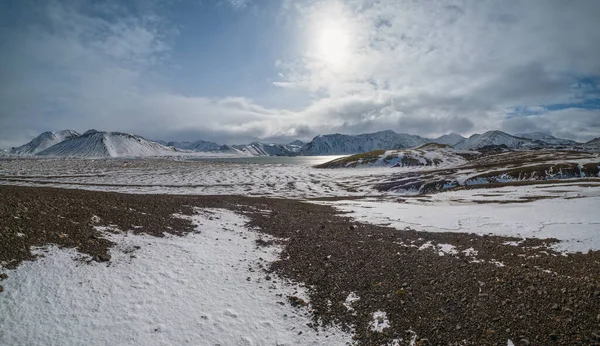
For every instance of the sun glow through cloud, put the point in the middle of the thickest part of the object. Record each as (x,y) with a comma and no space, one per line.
(333,43)
(331,37)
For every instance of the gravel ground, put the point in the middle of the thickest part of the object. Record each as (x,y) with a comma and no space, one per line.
(526,293)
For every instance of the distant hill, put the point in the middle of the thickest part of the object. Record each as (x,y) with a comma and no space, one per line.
(594,143)
(339,144)
(449,139)
(106,144)
(497,138)
(195,145)
(43,141)
(546,138)
(428,155)
(263,149)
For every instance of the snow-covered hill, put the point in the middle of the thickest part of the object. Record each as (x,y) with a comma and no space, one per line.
(428,155)
(107,144)
(546,138)
(199,145)
(449,139)
(497,138)
(43,141)
(594,143)
(297,143)
(338,144)
(262,149)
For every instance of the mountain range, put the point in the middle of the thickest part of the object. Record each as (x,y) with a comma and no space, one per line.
(92,143)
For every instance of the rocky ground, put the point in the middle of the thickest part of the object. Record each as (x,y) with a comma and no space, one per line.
(480,292)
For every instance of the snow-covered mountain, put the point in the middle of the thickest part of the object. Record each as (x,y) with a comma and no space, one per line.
(594,143)
(425,156)
(194,146)
(338,144)
(106,144)
(497,138)
(449,139)
(43,141)
(262,149)
(546,138)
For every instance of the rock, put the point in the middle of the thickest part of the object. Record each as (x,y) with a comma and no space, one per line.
(297,302)
(103,257)
(1,288)
(525,342)
(268,278)
(3,276)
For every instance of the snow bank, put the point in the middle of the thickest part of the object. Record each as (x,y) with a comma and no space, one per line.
(192,290)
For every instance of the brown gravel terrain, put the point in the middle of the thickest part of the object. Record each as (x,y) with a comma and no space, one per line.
(526,293)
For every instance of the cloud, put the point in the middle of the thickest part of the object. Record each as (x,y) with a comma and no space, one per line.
(239,4)
(426,68)
(441,62)
(574,123)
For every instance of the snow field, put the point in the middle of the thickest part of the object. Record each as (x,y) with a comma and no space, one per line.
(574,220)
(190,290)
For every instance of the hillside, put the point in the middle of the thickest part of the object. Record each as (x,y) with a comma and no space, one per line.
(43,141)
(106,144)
(428,155)
(449,139)
(199,145)
(546,138)
(339,144)
(594,143)
(497,138)
(263,149)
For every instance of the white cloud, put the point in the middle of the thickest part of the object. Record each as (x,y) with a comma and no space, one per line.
(239,4)
(418,67)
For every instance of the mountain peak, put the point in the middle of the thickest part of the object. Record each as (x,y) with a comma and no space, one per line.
(44,141)
(495,138)
(106,144)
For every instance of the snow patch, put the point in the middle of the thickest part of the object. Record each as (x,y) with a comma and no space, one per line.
(194,289)
(446,249)
(470,252)
(351,299)
(379,321)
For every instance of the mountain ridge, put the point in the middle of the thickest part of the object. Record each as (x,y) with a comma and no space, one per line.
(43,141)
(328,144)
(98,144)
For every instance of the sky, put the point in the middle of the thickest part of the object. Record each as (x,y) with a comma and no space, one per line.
(234,71)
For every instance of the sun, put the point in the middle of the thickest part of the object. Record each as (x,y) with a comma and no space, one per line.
(333,42)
